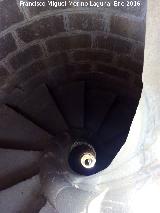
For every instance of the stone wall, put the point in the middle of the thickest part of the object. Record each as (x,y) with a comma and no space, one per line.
(38,44)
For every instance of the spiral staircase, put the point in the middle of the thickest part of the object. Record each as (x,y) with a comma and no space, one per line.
(43,134)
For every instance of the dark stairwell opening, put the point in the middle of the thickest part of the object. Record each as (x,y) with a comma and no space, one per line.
(74,70)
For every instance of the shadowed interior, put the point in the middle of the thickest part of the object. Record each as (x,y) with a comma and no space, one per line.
(69,69)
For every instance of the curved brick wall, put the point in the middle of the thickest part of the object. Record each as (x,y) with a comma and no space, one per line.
(39,44)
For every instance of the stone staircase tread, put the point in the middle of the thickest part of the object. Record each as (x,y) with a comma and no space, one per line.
(17,165)
(17,132)
(41,108)
(23,197)
(70,98)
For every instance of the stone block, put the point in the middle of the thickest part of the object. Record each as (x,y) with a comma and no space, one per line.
(139,52)
(59,75)
(115,72)
(25,165)
(9,14)
(26,56)
(3,75)
(92,55)
(128,63)
(22,197)
(30,71)
(81,68)
(7,45)
(57,59)
(3,71)
(113,44)
(41,28)
(69,42)
(86,22)
(128,28)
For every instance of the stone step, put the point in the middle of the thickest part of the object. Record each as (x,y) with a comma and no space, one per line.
(40,107)
(17,132)
(117,120)
(106,152)
(70,99)
(17,165)
(113,133)
(23,197)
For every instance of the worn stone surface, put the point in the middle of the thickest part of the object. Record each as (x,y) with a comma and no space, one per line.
(41,29)
(25,166)
(69,42)
(27,73)
(41,108)
(67,73)
(92,55)
(32,70)
(128,28)
(9,14)
(7,45)
(86,22)
(113,43)
(139,52)
(60,74)
(34,82)
(128,63)
(23,135)
(123,75)
(82,67)
(3,71)
(57,59)
(70,99)
(23,197)
(3,75)
(26,56)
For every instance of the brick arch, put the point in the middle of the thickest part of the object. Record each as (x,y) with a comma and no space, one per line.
(40,43)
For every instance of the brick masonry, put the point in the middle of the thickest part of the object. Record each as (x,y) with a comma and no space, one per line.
(9,14)
(69,42)
(28,73)
(129,28)
(92,55)
(41,29)
(130,64)
(122,74)
(113,44)
(7,45)
(47,40)
(86,22)
(57,59)
(3,75)
(26,56)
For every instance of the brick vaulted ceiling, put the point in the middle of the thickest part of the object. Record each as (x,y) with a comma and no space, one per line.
(39,44)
